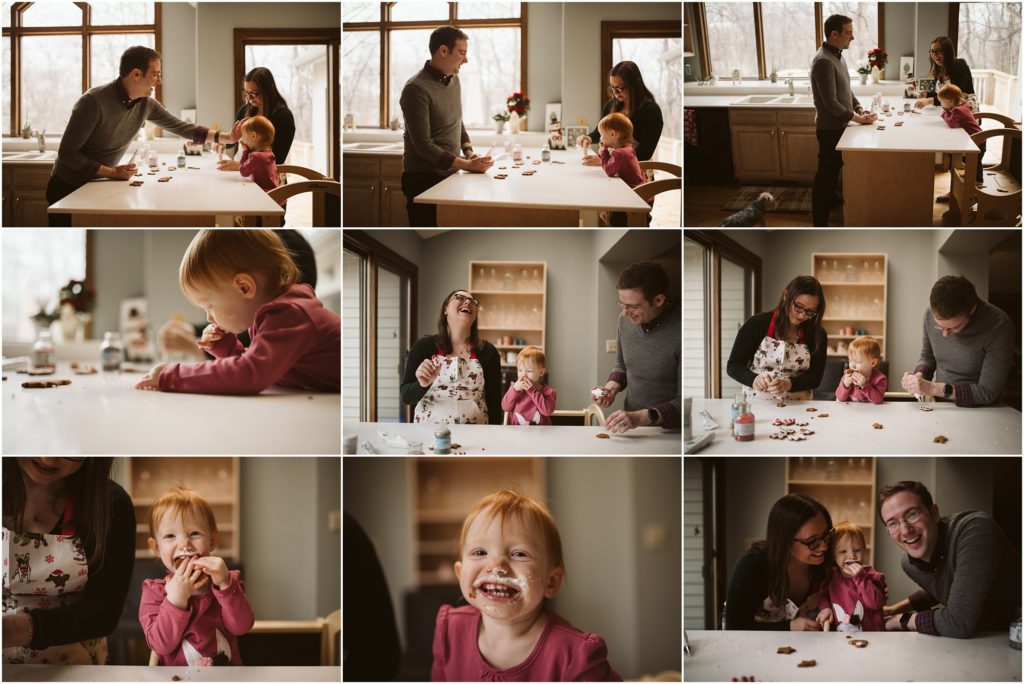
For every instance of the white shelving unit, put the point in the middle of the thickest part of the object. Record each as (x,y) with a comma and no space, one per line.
(513,303)
(856,294)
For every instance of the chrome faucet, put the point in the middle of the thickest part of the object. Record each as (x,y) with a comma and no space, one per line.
(41,138)
(789,82)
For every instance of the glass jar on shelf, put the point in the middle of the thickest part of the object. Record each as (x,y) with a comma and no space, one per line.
(865,271)
(851,273)
(508,281)
(481,279)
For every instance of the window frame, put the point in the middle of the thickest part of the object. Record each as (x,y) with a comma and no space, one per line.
(384,26)
(718,245)
(86,30)
(376,254)
(610,30)
(300,36)
(701,29)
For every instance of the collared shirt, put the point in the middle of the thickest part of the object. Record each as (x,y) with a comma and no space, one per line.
(123,95)
(437,74)
(833,49)
(938,554)
(654,323)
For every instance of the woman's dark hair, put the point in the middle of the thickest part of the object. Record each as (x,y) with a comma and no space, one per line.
(813,332)
(639,95)
(948,56)
(787,516)
(444,336)
(264,80)
(89,490)
(911,486)
(952,296)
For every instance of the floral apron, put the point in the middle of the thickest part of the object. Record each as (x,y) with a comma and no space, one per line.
(456,395)
(48,571)
(780,359)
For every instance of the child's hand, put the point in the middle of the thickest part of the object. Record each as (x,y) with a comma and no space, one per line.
(847,379)
(523,384)
(211,336)
(824,616)
(186,579)
(217,569)
(853,569)
(151,380)
(228,165)
(859,379)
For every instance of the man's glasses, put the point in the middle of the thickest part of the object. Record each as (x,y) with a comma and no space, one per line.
(462,299)
(629,307)
(807,313)
(955,329)
(250,95)
(815,542)
(911,517)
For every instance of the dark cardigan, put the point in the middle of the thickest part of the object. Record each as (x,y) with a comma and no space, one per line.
(647,126)
(425,347)
(284,131)
(960,76)
(748,339)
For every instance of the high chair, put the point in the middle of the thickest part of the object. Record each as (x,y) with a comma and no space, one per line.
(999,198)
(648,190)
(319,187)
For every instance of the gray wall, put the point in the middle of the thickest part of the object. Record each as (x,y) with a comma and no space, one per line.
(603,507)
(179,53)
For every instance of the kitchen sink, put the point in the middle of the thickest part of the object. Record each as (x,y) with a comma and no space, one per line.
(364,145)
(756,99)
(29,156)
(794,99)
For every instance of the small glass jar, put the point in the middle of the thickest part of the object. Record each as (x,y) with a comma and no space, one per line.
(415,448)
(111,351)
(739,406)
(44,354)
(744,426)
(442,440)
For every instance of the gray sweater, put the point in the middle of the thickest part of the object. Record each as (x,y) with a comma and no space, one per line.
(648,364)
(974,574)
(102,127)
(975,360)
(434,132)
(834,103)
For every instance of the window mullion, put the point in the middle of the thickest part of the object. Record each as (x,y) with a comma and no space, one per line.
(759,41)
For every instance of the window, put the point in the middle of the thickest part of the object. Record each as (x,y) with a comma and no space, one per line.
(48,40)
(789,37)
(661,63)
(988,39)
(731,38)
(695,319)
(36,264)
(866,35)
(497,49)
(392,330)
(353,319)
(737,306)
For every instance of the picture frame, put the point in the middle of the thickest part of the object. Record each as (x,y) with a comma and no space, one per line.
(574,132)
(133,324)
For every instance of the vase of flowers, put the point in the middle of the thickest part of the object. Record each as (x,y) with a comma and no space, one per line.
(877,60)
(519,105)
(864,72)
(76,302)
(500,118)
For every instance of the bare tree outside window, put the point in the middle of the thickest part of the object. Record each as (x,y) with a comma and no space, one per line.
(865,31)
(989,36)
(789,42)
(409,50)
(419,11)
(106,51)
(660,61)
(61,13)
(121,13)
(7,85)
(488,10)
(360,11)
(491,75)
(361,75)
(731,38)
(57,62)
(36,263)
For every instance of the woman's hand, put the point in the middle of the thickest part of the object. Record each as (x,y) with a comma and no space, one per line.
(427,371)
(583,141)
(762,381)
(228,165)
(211,336)
(779,386)
(624,421)
(800,624)
(186,579)
(151,380)
(922,102)
(824,615)
(216,568)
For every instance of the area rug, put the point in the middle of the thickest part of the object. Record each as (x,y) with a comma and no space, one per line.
(789,198)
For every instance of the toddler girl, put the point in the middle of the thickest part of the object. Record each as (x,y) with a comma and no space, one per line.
(862,381)
(511,562)
(184,620)
(528,400)
(855,592)
(957,114)
(258,162)
(246,279)
(616,150)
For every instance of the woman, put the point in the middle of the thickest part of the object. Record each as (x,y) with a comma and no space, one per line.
(70,533)
(631,97)
(775,584)
(263,99)
(781,354)
(454,376)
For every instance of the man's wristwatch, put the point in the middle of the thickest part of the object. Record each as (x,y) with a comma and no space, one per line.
(216,137)
(948,391)
(653,416)
(904,621)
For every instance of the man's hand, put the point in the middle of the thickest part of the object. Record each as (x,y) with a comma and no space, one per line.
(215,567)
(186,579)
(151,380)
(865,119)
(611,388)
(623,421)
(122,172)
(211,336)
(892,624)
(479,164)
(916,384)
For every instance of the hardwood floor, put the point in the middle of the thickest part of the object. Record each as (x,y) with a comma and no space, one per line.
(702,207)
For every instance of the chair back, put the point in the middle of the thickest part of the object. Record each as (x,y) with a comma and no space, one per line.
(320,189)
(651,165)
(309,174)
(648,190)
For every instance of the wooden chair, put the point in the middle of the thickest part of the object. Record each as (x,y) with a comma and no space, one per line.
(999,198)
(154,659)
(648,190)
(332,626)
(320,189)
(308,174)
(587,417)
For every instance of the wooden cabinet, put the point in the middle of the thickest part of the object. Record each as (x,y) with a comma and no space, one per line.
(844,486)
(856,291)
(513,304)
(217,479)
(373,191)
(445,491)
(24,195)
(773,144)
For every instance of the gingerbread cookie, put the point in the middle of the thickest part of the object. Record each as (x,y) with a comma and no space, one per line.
(786,650)
(877,426)
(941,439)
(44,384)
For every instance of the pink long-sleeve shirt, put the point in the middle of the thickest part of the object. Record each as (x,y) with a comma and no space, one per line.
(166,626)
(532,407)
(961,117)
(622,163)
(873,390)
(296,342)
(561,654)
(868,587)
(261,167)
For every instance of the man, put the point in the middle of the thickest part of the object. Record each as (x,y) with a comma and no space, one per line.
(967,347)
(104,122)
(649,350)
(434,133)
(835,106)
(963,562)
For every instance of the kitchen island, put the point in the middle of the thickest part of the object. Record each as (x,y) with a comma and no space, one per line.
(849,428)
(196,195)
(889,174)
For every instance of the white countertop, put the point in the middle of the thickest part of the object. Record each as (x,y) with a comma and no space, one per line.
(533,440)
(925,132)
(105,414)
(889,656)
(554,186)
(710,100)
(142,673)
(190,191)
(848,429)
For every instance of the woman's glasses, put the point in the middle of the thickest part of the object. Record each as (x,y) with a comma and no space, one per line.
(618,89)
(462,299)
(815,542)
(250,95)
(806,313)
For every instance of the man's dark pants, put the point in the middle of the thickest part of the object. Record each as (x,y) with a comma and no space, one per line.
(56,190)
(413,184)
(826,179)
